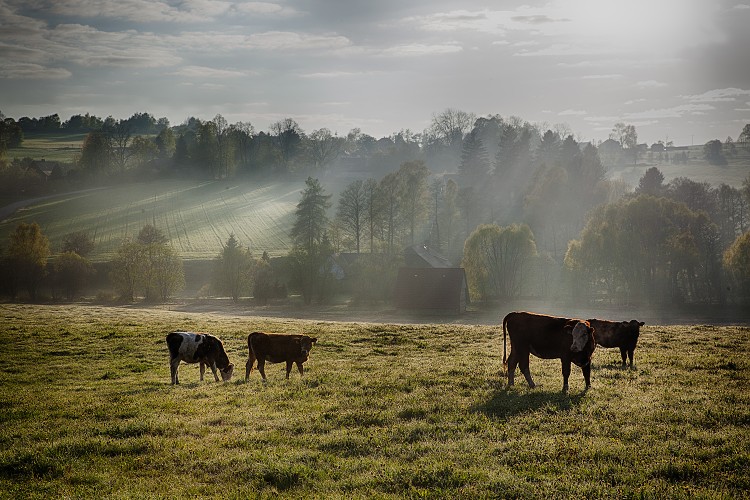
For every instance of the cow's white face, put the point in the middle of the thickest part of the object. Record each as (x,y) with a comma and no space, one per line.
(226,373)
(580,337)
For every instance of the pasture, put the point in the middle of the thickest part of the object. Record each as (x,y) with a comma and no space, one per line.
(383,411)
(62,147)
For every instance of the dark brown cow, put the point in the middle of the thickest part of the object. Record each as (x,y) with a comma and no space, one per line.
(547,337)
(198,348)
(621,334)
(276,348)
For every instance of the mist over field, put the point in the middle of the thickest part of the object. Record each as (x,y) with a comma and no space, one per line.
(393,179)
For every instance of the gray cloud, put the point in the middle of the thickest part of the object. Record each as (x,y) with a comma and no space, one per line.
(387,65)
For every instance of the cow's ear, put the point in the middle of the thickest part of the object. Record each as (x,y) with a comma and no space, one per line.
(313,340)
(641,323)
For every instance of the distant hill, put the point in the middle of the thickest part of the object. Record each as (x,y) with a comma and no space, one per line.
(196,216)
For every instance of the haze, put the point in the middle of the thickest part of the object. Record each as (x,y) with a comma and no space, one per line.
(677,70)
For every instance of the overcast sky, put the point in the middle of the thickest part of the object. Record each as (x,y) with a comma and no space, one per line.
(678,70)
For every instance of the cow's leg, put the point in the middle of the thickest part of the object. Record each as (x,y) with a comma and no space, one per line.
(249,365)
(213,370)
(565,373)
(261,366)
(174,364)
(631,352)
(301,370)
(624,355)
(523,363)
(586,370)
(289,368)
(512,362)
(203,369)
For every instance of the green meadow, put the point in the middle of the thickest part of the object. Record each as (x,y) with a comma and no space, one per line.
(62,147)
(384,410)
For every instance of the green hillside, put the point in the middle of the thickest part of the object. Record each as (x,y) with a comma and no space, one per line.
(197,217)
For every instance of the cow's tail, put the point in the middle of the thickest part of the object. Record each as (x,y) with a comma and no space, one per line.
(505,358)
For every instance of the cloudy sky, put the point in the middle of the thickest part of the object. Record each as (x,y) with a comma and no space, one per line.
(678,70)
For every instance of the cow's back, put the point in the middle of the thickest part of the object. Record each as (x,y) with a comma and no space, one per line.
(275,348)
(615,333)
(532,327)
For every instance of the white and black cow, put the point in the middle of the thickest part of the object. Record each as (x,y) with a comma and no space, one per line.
(198,348)
(548,337)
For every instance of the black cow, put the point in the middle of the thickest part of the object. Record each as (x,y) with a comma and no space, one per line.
(621,334)
(547,337)
(276,348)
(198,348)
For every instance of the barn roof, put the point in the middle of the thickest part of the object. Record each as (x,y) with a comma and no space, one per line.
(419,256)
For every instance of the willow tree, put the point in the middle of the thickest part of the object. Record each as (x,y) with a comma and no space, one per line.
(497,260)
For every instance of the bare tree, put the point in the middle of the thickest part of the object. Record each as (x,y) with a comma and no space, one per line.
(288,138)
(324,147)
(120,134)
(351,210)
(451,125)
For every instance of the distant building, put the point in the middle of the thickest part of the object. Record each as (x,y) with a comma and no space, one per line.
(430,282)
(442,290)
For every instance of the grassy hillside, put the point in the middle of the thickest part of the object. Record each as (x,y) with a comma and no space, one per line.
(196,216)
(51,147)
(383,410)
(697,169)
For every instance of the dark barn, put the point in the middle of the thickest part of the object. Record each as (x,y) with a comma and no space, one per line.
(434,289)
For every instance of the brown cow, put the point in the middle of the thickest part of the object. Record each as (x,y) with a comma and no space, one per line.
(198,348)
(622,334)
(547,337)
(276,348)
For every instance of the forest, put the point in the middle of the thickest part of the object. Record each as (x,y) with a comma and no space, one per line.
(526,209)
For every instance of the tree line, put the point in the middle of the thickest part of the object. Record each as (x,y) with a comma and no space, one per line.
(526,211)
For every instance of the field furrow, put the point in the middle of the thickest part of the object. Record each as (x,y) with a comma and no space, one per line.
(197,217)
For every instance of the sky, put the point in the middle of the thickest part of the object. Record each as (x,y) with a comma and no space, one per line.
(679,70)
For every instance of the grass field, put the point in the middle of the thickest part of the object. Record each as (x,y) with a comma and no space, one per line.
(383,411)
(62,147)
(197,217)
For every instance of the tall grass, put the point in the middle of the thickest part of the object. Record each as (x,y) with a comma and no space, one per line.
(383,410)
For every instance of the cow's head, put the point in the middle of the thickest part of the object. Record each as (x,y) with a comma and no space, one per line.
(306,343)
(634,324)
(581,334)
(226,373)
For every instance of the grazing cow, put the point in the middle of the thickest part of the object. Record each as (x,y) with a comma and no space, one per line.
(622,334)
(547,337)
(276,348)
(198,348)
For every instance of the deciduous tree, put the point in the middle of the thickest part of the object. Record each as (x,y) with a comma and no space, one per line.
(351,211)
(497,260)
(737,263)
(72,272)
(27,254)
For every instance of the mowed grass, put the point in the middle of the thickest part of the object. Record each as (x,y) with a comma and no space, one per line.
(197,217)
(382,411)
